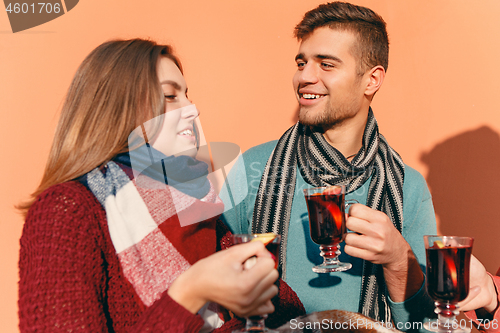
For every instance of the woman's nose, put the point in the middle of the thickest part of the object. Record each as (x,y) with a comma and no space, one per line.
(186,102)
(190,111)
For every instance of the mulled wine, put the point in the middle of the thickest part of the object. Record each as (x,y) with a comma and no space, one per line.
(272,243)
(448,263)
(326,218)
(326,208)
(448,272)
(273,248)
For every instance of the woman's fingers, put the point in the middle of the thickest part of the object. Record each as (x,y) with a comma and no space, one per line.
(259,303)
(241,252)
(258,284)
(473,292)
(260,277)
(265,308)
(229,278)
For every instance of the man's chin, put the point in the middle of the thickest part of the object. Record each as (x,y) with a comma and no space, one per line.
(321,126)
(305,118)
(314,121)
(308,123)
(324,120)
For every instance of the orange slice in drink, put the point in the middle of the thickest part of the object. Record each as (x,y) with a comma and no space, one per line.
(439,244)
(449,261)
(332,207)
(264,238)
(333,190)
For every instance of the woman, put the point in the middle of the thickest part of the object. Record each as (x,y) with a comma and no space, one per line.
(114,239)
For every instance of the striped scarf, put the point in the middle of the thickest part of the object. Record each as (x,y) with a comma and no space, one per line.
(320,164)
(159,225)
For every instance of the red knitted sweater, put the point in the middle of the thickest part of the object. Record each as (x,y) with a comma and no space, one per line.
(71,279)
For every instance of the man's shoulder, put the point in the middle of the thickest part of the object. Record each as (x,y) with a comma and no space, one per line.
(262,151)
(413,175)
(415,184)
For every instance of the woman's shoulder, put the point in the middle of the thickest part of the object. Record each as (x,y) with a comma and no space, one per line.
(64,207)
(64,198)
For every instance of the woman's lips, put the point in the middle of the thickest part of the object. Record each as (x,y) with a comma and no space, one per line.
(187,134)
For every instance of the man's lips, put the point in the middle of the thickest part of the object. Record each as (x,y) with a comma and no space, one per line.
(309,98)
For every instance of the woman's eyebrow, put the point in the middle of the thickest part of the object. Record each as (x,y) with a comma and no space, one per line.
(172,83)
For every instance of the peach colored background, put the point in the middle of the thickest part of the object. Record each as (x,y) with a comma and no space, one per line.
(438,106)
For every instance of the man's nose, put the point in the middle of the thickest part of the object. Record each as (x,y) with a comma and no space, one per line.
(308,74)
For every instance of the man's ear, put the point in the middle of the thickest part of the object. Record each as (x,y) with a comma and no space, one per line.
(375,77)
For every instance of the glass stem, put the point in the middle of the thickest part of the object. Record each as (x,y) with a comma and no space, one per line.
(446,315)
(255,323)
(330,253)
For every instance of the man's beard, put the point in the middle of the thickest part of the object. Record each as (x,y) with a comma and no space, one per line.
(327,117)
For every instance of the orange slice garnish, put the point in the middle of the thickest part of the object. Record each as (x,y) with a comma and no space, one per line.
(333,190)
(439,244)
(264,238)
(451,267)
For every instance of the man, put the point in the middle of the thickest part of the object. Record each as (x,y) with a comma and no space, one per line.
(341,64)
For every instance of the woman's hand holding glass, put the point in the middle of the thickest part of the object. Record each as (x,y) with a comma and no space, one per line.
(223,278)
(482,292)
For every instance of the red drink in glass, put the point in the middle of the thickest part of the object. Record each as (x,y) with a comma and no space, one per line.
(272,243)
(274,248)
(448,273)
(326,218)
(448,263)
(326,208)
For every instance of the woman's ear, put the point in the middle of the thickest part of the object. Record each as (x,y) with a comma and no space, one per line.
(375,77)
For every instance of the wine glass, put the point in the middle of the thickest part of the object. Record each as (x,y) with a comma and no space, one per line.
(272,243)
(326,207)
(448,262)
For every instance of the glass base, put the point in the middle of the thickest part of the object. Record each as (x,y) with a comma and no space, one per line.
(256,330)
(446,321)
(332,267)
(331,263)
(255,324)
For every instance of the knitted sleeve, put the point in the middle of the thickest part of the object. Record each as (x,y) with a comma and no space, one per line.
(64,280)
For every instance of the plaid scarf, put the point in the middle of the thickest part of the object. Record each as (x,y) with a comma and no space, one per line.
(158,230)
(320,164)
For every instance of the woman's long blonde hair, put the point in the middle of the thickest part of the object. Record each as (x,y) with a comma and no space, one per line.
(114,90)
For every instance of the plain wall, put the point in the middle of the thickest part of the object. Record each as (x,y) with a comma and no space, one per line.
(438,106)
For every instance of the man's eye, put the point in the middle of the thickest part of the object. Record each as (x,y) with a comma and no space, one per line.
(301,64)
(326,65)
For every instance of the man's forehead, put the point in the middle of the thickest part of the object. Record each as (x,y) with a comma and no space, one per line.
(325,41)
(326,35)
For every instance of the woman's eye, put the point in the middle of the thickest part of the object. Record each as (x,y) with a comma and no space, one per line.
(170,96)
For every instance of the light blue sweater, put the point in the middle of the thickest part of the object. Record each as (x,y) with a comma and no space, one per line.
(340,290)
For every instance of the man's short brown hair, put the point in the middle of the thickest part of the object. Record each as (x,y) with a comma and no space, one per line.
(372,48)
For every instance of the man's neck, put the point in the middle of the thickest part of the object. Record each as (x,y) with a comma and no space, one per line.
(347,137)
